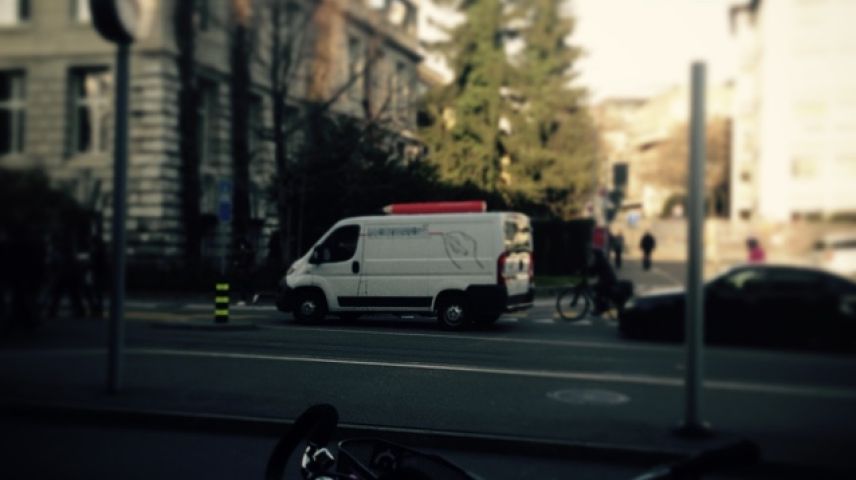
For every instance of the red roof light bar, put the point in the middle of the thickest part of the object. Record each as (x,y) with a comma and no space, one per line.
(466,206)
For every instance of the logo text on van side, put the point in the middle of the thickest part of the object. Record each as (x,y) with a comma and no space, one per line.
(420,231)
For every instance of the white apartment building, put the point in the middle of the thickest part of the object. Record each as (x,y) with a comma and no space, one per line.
(794,132)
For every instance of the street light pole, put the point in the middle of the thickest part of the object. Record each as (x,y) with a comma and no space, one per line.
(694,315)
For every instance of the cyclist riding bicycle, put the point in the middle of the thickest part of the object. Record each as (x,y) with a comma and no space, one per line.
(607,281)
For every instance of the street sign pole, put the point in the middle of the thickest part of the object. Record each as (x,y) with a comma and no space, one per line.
(222,286)
(119,22)
(694,317)
(120,178)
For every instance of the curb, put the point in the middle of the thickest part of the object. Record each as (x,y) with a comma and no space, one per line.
(200,326)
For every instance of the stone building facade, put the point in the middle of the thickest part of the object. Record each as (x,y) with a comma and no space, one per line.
(56,101)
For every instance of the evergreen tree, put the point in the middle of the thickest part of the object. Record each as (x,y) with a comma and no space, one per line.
(547,154)
(463,116)
(552,143)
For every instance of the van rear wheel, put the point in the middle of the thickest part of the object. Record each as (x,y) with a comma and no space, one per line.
(453,312)
(309,307)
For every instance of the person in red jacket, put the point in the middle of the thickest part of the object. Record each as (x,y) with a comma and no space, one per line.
(756,251)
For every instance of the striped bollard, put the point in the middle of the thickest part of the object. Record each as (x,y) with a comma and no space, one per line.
(221,303)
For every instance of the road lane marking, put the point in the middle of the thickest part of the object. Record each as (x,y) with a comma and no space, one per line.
(544,320)
(62,352)
(144,305)
(633,379)
(523,341)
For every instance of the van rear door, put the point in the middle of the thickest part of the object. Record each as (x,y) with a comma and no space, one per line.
(515,267)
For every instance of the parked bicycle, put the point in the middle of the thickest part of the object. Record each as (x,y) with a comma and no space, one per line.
(575,302)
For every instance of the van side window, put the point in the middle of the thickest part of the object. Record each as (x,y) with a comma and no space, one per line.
(341,244)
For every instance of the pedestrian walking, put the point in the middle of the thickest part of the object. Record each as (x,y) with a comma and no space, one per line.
(755,250)
(245,260)
(647,244)
(68,276)
(617,244)
(98,273)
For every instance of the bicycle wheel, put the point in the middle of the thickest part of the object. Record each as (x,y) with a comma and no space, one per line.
(573,304)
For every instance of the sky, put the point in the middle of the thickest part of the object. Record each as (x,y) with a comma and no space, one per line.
(643,47)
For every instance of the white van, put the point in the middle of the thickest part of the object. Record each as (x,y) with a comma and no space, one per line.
(464,267)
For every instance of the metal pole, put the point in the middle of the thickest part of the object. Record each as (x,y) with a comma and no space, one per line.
(120,177)
(694,316)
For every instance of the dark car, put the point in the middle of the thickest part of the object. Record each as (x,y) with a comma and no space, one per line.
(758,305)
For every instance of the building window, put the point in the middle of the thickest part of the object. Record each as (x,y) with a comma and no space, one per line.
(803,167)
(14,12)
(202,14)
(847,165)
(255,126)
(399,90)
(356,67)
(80,11)
(90,91)
(12,106)
(206,112)
(398,13)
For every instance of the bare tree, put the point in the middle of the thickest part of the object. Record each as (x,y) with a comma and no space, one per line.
(667,164)
(296,33)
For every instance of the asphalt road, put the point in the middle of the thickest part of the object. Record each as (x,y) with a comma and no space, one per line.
(531,375)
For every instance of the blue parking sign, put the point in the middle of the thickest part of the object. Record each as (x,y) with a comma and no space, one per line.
(224,212)
(224,204)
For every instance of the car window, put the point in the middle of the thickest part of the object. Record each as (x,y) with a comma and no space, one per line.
(787,281)
(341,244)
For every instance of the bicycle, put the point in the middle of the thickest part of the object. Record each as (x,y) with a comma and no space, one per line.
(575,302)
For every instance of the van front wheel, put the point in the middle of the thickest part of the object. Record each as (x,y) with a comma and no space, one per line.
(309,307)
(453,312)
